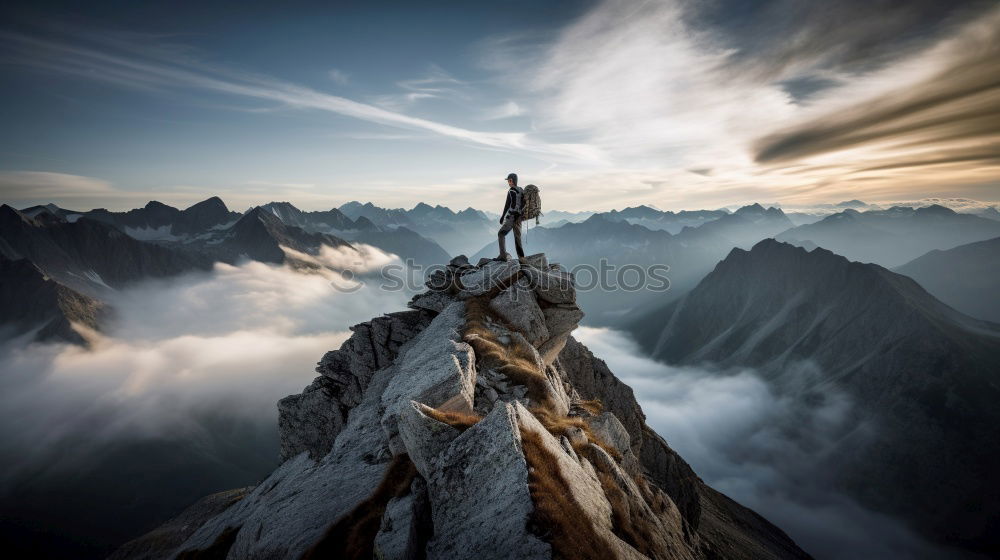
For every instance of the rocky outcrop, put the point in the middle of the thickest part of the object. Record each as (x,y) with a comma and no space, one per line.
(448,432)
(162,541)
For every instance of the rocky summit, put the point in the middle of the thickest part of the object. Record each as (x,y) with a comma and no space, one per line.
(471,426)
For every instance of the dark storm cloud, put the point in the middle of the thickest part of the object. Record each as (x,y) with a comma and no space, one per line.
(959,103)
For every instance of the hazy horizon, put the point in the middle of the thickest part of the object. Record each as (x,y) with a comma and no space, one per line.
(124,204)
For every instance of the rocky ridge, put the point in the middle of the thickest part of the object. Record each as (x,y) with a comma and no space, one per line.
(474,426)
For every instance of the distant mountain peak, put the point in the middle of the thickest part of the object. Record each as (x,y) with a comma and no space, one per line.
(10,214)
(213,203)
(755,207)
(935,210)
(854,203)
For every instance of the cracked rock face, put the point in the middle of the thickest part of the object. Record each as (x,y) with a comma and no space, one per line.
(453,396)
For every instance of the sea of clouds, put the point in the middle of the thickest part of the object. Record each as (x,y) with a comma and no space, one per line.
(174,399)
(765,450)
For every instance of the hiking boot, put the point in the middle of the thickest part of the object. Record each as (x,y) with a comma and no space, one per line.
(503,257)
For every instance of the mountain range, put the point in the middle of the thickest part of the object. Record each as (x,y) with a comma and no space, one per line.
(966,277)
(602,240)
(895,236)
(87,255)
(922,376)
(689,242)
(457,232)
(31,301)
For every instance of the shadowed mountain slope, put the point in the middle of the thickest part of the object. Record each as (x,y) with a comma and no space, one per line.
(921,375)
(966,277)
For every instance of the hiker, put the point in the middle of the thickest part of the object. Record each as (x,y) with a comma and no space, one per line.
(510,218)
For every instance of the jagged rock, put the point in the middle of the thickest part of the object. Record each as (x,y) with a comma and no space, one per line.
(561,400)
(518,306)
(584,488)
(553,286)
(537,260)
(479,494)
(440,372)
(592,379)
(288,512)
(310,420)
(438,280)
(560,321)
(159,544)
(423,436)
(611,431)
(492,275)
(431,301)
(471,498)
(372,346)
(404,525)
(607,427)
(668,524)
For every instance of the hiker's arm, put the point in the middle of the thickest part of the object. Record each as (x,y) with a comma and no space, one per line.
(506,206)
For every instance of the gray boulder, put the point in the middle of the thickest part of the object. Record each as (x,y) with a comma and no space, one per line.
(519,308)
(491,276)
(440,371)
(479,494)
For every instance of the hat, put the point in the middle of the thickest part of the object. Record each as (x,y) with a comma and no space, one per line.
(513,176)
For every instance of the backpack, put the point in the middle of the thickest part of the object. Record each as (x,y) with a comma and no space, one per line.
(531,206)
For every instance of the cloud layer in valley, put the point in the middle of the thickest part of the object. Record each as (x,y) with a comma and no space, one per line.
(180,390)
(763,449)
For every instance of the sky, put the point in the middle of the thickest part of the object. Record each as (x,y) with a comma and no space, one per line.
(603,104)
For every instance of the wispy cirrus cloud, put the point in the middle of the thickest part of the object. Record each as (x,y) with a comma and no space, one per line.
(155,67)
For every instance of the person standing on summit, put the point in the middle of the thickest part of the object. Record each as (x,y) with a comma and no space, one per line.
(510,218)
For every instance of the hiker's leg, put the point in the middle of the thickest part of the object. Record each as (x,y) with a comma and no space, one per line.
(517,239)
(502,235)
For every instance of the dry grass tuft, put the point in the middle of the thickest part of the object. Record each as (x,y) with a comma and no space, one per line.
(557,426)
(632,527)
(594,406)
(557,517)
(655,497)
(353,535)
(515,361)
(459,420)
(560,519)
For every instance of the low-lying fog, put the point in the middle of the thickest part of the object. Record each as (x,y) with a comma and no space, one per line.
(177,399)
(762,449)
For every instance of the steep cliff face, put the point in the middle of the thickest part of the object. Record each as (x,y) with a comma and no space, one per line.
(474,426)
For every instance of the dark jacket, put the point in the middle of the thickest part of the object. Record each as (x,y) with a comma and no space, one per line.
(514,204)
